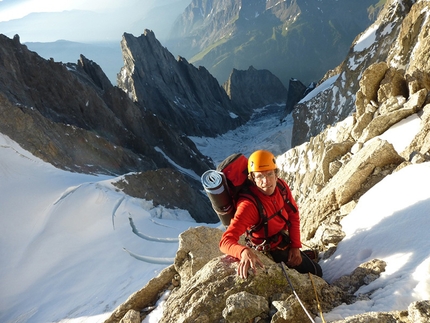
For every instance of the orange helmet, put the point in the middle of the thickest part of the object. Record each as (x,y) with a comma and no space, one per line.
(260,161)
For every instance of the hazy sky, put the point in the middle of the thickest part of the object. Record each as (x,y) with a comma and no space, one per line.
(86,21)
(15,9)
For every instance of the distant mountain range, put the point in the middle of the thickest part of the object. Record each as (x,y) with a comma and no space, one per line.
(295,38)
(292,39)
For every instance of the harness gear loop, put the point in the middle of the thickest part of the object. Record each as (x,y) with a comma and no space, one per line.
(263,247)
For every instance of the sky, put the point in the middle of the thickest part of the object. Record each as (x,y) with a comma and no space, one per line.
(69,254)
(87,21)
(16,9)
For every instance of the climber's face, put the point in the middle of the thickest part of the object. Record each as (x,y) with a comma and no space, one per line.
(265,181)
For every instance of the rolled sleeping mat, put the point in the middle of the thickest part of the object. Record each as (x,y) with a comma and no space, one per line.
(215,185)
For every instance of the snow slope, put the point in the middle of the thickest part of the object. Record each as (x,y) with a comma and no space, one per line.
(62,240)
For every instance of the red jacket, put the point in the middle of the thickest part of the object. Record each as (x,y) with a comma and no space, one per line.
(247,215)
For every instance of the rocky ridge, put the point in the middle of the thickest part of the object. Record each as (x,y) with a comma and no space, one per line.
(79,98)
(397,37)
(345,160)
(72,117)
(201,275)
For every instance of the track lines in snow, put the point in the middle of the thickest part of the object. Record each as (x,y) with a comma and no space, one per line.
(149,238)
(151,260)
(115,208)
(161,225)
(68,192)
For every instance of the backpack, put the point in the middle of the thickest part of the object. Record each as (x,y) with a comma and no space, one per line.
(223,185)
(235,170)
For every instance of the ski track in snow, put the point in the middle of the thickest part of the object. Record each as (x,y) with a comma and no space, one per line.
(149,238)
(151,260)
(115,208)
(68,192)
(160,224)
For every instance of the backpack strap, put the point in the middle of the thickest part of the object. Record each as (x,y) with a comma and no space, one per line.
(284,193)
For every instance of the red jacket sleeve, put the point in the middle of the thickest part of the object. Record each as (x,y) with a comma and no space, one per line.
(246,215)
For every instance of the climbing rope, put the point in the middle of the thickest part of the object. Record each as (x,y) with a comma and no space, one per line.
(295,294)
(316,296)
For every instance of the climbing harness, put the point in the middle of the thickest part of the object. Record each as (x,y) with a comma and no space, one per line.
(265,245)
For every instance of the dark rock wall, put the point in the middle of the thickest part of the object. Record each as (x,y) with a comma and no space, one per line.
(185,97)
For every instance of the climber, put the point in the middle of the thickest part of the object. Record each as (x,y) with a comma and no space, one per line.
(268,214)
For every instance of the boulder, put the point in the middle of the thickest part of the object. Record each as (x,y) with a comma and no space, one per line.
(197,246)
(202,276)
(393,84)
(209,277)
(347,182)
(132,316)
(392,111)
(362,275)
(369,85)
(419,312)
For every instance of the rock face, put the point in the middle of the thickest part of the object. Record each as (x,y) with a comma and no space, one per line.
(183,96)
(336,167)
(50,104)
(253,88)
(398,38)
(296,91)
(208,277)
